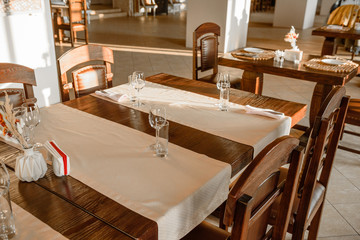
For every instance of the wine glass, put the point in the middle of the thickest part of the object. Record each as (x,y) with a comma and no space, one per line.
(31,118)
(157,119)
(138,83)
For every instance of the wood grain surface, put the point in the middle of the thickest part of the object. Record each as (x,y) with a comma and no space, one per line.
(290,70)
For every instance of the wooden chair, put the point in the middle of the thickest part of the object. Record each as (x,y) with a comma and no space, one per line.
(249,201)
(318,160)
(206,35)
(352,118)
(14,73)
(87,76)
(149,4)
(77,22)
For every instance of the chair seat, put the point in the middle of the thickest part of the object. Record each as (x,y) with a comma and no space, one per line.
(234,82)
(315,203)
(76,26)
(353,114)
(207,231)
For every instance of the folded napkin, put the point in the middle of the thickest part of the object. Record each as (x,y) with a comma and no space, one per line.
(61,161)
(264,112)
(114,96)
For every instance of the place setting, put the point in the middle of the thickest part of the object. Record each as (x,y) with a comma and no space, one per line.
(253,53)
(331,64)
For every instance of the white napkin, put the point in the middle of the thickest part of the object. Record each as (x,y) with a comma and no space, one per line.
(334,27)
(31,166)
(264,112)
(114,96)
(61,161)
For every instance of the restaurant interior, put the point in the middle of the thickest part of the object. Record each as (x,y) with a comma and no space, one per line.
(180,119)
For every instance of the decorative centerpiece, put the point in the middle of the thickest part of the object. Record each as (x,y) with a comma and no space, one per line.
(30,166)
(294,54)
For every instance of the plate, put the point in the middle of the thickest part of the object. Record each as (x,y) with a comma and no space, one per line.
(332,61)
(253,50)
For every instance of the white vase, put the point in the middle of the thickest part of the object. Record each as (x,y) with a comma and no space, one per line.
(30,166)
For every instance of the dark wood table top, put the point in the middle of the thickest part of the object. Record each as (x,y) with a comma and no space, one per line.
(289,69)
(334,33)
(88,203)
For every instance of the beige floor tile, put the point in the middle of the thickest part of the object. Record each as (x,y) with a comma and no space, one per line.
(341,190)
(333,224)
(353,237)
(351,212)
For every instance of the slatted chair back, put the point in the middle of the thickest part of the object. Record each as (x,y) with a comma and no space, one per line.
(14,73)
(319,158)
(345,15)
(249,202)
(207,36)
(89,78)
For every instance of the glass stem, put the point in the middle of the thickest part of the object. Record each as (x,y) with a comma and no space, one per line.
(157,138)
(138,97)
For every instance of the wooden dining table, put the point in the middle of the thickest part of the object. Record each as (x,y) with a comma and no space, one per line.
(329,45)
(78,211)
(253,75)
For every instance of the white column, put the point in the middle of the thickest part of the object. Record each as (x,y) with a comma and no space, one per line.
(231,15)
(27,39)
(300,14)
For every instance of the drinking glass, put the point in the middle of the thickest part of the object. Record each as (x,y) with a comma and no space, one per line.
(7,222)
(31,118)
(157,119)
(223,84)
(138,83)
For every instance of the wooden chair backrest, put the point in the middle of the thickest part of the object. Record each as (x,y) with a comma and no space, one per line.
(85,54)
(345,15)
(14,73)
(77,11)
(249,202)
(207,35)
(320,150)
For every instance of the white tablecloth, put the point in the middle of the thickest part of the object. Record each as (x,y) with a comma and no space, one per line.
(28,227)
(200,112)
(177,192)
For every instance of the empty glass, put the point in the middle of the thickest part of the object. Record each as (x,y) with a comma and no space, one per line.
(157,119)
(223,84)
(7,223)
(138,83)
(31,118)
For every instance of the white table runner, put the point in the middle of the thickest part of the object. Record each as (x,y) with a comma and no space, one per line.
(28,227)
(200,112)
(177,192)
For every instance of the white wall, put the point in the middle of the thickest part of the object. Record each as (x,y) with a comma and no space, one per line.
(27,39)
(325,6)
(231,15)
(237,22)
(201,11)
(300,14)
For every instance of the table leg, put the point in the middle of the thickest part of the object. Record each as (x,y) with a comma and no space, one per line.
(252,82)
(329,46)
(320,93)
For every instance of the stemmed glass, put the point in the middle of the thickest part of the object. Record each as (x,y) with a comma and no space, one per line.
(157,119)
(31,118)
(138,83)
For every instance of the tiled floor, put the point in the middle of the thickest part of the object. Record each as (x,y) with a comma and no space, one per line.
(157,44)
